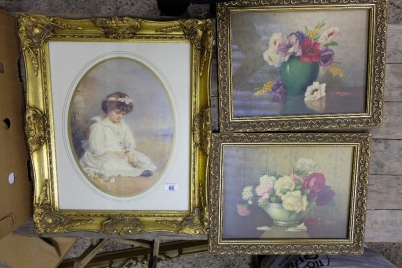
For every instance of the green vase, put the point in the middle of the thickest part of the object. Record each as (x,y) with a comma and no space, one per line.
(297,75)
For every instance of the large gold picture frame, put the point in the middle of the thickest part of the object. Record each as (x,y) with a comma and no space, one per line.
(300,65)
(288,193)
(94,85)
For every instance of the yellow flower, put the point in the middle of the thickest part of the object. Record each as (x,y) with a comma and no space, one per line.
(294,201)
(336,70)
(267,87)
(313,33)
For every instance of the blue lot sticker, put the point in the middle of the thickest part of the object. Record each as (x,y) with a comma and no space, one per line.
(171,187)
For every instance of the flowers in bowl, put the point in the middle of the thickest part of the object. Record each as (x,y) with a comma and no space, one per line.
(299,56)
(296,191)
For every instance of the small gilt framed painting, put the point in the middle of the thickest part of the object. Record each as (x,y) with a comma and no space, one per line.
(118,138)
(301,65)
(288,193)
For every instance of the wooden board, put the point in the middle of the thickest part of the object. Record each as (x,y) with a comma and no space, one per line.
(384,192)
(386,157)
(394,44)
(383,226)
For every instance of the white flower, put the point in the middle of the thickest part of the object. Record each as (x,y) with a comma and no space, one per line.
(276,40)
(126,100)
(284,182)
(294,201)
(247,193)
(267,179)
(272,57)
(306,164)
(314,92)
(317,105)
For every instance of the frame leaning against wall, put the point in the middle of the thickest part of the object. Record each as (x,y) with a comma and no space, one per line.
(296,65)
(71,67)
(288,193)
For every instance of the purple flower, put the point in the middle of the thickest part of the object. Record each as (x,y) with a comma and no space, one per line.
(279,91)
(288,47)
(325,198)
(326,57)
(299,36)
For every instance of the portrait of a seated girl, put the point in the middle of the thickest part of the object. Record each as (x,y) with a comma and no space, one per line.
(110,151)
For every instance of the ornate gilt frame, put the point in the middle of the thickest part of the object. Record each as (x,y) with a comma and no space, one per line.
(36,31)
(375,79)
(360,144)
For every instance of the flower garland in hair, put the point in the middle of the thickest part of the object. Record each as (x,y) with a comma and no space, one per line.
(126,99)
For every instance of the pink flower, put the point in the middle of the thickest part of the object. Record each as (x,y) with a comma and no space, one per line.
(294,176)
(262,190)
(242,210)
(329,34)
(288,47)
(316,183)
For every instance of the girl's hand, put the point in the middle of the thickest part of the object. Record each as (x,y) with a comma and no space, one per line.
(120,154)
(130,157)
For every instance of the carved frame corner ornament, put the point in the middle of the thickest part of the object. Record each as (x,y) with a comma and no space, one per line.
(118,27)
(199,33)
(35,31)
(47,219)
(197,222)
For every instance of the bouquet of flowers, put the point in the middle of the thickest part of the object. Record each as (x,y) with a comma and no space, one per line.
(309,47)
(295,191)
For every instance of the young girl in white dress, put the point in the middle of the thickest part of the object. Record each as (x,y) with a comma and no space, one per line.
(111,146)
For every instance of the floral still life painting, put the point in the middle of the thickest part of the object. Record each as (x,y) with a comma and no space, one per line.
(309,62)
(289,192)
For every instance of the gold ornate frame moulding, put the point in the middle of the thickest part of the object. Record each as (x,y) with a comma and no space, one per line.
(300,65)
(288,193)
(74,70)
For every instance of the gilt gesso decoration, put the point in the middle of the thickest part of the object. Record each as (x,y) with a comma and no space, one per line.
(288,193)
(119,140)
(294,65)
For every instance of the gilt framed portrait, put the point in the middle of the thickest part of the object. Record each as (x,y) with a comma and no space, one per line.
(288,193)
(301,66)
(115,133)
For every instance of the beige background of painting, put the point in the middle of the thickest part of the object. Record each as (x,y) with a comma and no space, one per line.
(243,165)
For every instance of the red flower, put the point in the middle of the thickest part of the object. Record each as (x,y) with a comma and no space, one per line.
(316,183)
(325,198)
(310,51)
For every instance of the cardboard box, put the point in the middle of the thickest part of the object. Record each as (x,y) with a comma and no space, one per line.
(22,251)
(15,188)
